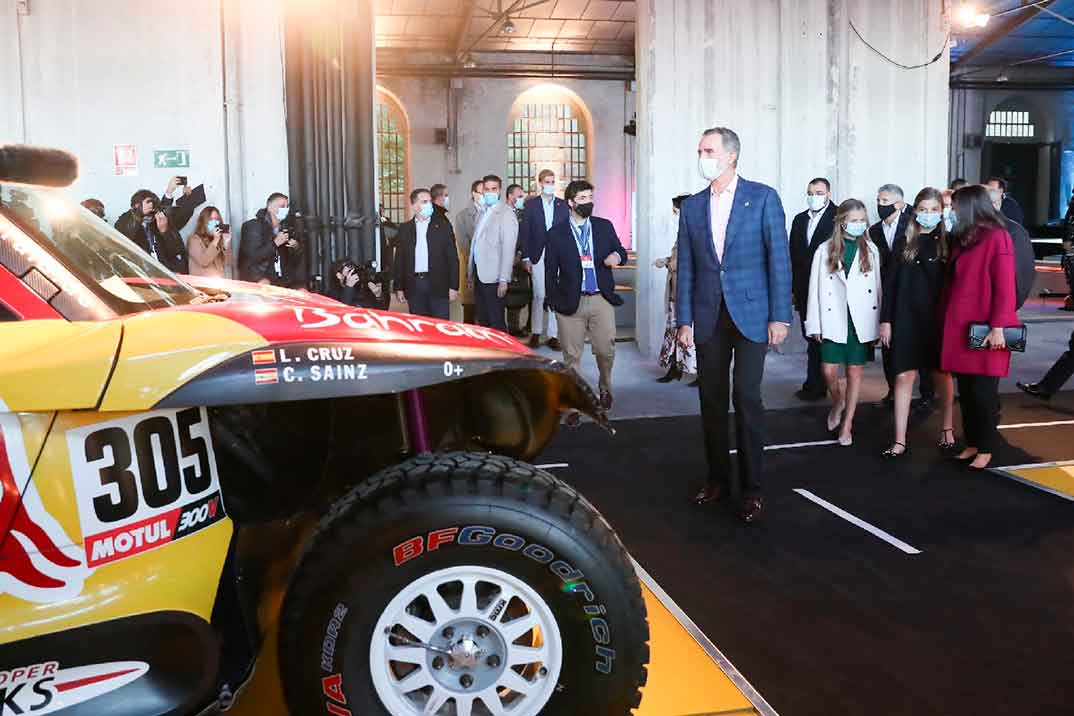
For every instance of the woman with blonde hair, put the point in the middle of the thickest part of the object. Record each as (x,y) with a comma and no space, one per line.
(909,325)
(209,245)
(843,310)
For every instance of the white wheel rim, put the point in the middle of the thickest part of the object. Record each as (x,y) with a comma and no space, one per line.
(489,646)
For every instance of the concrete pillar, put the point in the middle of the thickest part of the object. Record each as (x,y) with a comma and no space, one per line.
(806,95)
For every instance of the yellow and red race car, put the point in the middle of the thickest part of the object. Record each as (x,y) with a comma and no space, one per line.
(190,472)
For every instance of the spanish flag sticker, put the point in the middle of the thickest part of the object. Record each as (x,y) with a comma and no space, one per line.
(266,376)
(263,357)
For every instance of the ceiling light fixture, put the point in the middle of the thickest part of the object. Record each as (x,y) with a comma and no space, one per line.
(509,27)
(968,15)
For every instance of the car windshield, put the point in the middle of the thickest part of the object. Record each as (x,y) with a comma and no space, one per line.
(108,264)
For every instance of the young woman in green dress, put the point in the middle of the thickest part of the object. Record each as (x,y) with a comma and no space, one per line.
(843,310)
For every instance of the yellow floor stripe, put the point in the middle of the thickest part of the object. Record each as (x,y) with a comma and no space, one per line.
(1058,479)
(683,679)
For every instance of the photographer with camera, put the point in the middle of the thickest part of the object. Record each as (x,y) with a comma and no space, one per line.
(268,252)
(426,268)
(210,244)
(355,285)
(148,225)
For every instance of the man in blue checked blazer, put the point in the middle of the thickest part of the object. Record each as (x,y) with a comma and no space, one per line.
(734,299)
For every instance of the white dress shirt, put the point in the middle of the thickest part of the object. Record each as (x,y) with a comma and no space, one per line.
(421,245)
(720,211)
(890,228)
(549,205)
(814,220)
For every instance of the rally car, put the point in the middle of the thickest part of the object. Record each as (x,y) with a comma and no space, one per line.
(189,473)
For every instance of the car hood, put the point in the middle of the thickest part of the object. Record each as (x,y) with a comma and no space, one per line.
(264,344)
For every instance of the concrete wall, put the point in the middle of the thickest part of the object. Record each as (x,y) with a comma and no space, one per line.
(89,75)
(1052,113)
(804,93)
(484,112)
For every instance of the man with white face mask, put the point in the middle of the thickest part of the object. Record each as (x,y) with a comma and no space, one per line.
(997,190)
(268,253)
(1025,259)
(809,230)
(733,300)
(540,214)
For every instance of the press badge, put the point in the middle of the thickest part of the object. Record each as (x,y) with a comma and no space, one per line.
(587,262)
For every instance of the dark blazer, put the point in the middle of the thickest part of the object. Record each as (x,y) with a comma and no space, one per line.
(532,236)
(1025,262)
(802,252)
(563,267)
(443,256)
(1012,210)
(754,278)
(876,233)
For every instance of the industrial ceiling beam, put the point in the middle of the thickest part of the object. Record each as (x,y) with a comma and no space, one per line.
(460,36)
(515,7)
(1000,31)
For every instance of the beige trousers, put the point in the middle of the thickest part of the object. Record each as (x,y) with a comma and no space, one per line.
(595,320)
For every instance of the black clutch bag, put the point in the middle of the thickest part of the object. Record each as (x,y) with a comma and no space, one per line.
(1014,336)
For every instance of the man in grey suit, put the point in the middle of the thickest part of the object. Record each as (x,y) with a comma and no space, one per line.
(465,225)
(492,255)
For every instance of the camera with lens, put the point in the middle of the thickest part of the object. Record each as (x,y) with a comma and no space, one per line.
(368,273)
(293,224)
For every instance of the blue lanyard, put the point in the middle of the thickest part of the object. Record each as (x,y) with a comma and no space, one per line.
(583,249)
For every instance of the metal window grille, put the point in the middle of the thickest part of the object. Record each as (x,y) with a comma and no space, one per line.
(391,165)
(546,136)
(1005,123)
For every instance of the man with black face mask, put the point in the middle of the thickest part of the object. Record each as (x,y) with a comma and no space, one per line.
(891,206)
(580,286)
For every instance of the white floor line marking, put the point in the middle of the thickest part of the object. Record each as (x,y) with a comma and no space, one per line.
(871,529)
(792,446)
(1050,423)
(736,677)
(552,466)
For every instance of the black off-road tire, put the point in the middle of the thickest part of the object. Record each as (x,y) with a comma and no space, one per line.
(531,525)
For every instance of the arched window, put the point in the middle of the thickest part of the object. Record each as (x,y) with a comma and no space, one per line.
(549,129)
(1009,123)
(393,156)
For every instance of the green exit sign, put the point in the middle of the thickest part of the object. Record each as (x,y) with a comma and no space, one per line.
(171,159)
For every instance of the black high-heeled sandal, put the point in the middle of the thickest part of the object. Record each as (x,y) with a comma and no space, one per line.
(944,444)
(890,453)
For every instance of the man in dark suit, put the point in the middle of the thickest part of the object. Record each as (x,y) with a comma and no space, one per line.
(579,256)
(891,206)
(441,201)
(733,300)
(426,268)
(267,252)
(809,230)
(540,214)
(1009,206)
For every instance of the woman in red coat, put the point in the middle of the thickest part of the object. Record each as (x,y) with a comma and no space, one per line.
(979,289)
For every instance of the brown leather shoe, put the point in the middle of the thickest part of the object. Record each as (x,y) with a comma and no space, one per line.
(554,344)
(707,494)
(535,340)
(751,509)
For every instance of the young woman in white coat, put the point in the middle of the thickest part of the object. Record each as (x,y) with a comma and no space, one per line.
(843,310)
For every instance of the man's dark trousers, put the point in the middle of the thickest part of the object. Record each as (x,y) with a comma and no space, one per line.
(1060,373)
(490,307)
(713,365)
(814,382)
(420,300)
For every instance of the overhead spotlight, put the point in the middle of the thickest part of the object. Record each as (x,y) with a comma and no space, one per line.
(1003,77)
(968,15)
(469,63)
(509,27)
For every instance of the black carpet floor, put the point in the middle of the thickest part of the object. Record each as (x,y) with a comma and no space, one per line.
(823,617)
